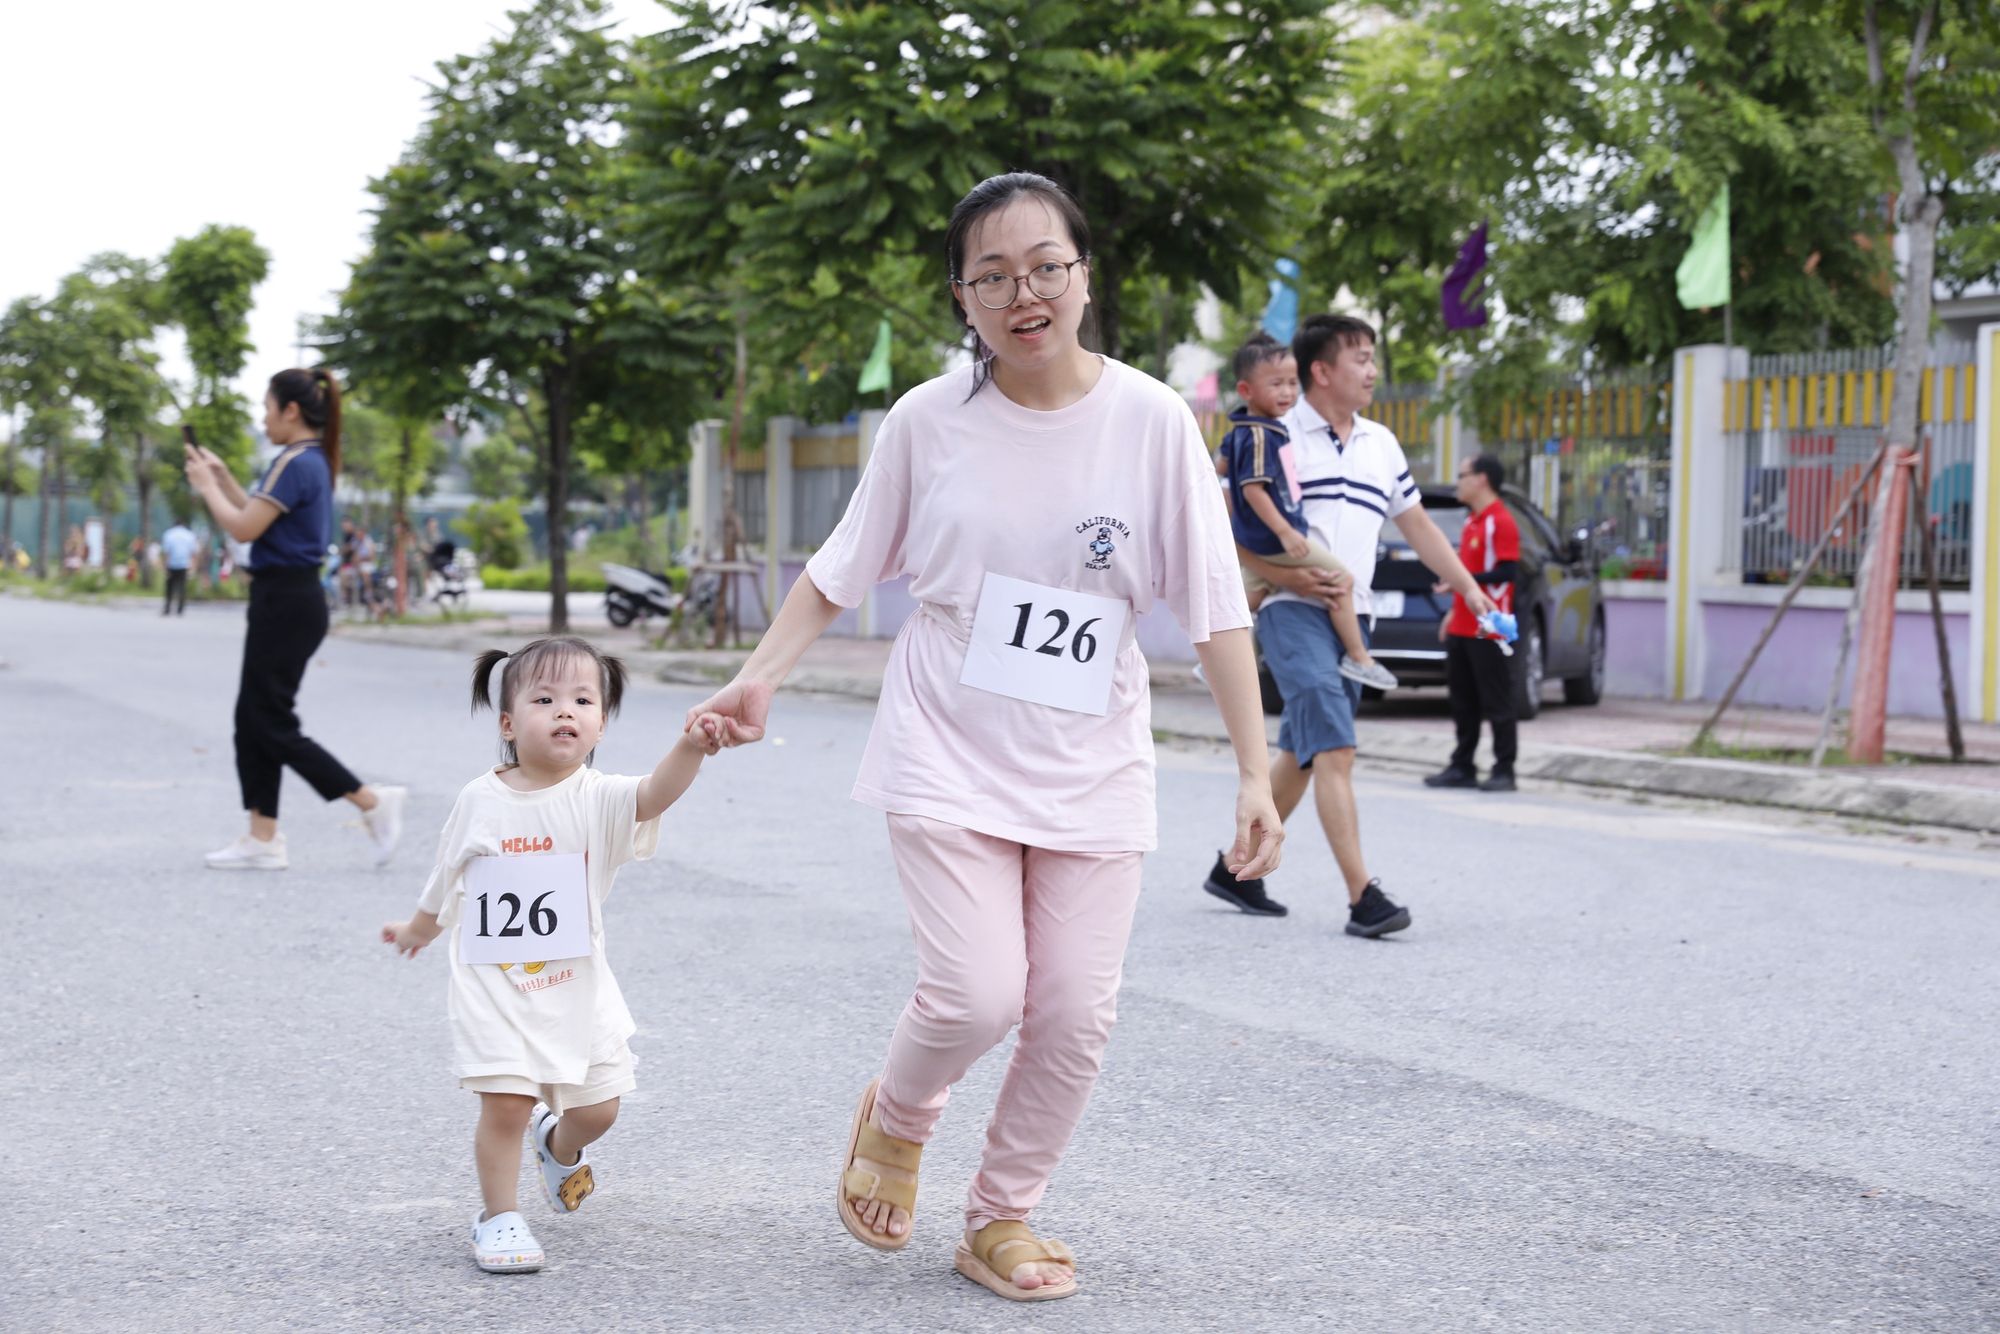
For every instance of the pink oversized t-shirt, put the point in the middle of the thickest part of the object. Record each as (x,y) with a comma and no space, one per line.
(1113,495)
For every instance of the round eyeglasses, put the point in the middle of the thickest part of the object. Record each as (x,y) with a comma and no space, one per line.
(997,291)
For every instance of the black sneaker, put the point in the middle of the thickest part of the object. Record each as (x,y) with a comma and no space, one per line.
(1373,915)
(1246,894)
(1452,776)
(1500,780)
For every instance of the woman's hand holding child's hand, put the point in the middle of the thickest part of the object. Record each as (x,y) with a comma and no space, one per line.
(411,936)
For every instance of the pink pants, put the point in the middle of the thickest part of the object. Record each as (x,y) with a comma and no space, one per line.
(1006,934)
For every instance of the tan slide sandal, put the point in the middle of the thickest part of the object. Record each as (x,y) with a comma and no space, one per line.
(878,1167)
(998,1249)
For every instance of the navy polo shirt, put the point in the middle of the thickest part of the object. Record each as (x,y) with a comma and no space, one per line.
(298,483)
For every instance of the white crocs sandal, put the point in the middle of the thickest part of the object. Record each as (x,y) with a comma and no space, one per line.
(563,1187)
(502,1244)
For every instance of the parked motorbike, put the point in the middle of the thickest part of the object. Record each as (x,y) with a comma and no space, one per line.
(631,594)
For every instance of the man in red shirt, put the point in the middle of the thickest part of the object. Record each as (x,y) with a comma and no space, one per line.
(1479,674)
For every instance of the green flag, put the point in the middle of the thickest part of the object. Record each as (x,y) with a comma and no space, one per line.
(1703,277)
(875,375)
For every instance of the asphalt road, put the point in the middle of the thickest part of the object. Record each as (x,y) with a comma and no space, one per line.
(1636,1067)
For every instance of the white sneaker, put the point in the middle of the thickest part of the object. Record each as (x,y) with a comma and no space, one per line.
(384,822)
(1374,674)
(251,854)
(502,1244)
(563,1187)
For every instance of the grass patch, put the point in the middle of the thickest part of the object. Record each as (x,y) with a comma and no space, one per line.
(1835,757)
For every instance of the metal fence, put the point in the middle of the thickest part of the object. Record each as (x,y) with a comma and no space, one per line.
(1801,430)
(1594,453)
(825,471)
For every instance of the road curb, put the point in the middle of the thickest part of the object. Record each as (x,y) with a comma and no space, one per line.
(1823,791)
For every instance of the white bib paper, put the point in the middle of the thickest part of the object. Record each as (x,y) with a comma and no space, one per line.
(525,909)
(1052,646)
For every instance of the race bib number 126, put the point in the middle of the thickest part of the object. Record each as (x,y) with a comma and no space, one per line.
(1052,646)
(525,909)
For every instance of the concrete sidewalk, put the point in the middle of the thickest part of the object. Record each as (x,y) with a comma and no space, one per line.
(1632,744)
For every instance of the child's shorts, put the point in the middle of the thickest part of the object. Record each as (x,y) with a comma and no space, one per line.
(1318,557)
(602,1082)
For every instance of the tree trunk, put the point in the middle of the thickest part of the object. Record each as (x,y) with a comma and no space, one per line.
(42,516)
(400,533)
(732,522)
(556,385)
(1104,286)
(62,510)
(1920,212)
(645,543)
(7,524)
(142,477)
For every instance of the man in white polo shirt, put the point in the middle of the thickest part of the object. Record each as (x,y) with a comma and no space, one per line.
(1353,476)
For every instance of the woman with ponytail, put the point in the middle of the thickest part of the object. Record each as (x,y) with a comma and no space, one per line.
(286,518)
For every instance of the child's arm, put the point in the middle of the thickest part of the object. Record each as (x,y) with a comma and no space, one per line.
(663,787)
(1258,496)
(411,936)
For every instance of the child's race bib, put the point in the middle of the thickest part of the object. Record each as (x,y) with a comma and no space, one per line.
(525,909)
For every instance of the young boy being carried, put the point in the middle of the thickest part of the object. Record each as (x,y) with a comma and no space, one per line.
(1264,493)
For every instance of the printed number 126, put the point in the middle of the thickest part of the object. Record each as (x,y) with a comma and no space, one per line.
(541,920)
(1082,645)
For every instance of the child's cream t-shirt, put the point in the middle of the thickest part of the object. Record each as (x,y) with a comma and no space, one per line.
(1113,495)
(548,1021)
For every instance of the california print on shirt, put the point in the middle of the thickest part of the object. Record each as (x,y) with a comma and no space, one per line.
(1101,548)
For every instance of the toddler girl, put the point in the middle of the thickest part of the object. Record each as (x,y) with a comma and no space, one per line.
(523,867)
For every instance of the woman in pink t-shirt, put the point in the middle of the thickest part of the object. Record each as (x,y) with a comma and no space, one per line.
(1039,501)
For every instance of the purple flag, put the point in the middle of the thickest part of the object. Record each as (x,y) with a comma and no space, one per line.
(1463,308)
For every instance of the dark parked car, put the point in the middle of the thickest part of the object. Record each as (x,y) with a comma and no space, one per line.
(1558,602)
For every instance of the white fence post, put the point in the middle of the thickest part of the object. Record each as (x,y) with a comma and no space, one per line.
(705,488)
(777,504)
(1984,630)
(1700,510)
(864,445)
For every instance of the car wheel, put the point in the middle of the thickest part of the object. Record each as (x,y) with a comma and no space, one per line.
(1529,666)
(1589,689)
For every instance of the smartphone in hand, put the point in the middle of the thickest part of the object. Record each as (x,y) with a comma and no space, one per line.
(187,437)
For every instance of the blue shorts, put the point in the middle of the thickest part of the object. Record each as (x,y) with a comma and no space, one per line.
(1304,656)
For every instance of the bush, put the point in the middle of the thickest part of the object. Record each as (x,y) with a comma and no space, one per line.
(535,579)
(498,533)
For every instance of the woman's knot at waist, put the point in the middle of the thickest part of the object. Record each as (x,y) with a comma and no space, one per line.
(958,624)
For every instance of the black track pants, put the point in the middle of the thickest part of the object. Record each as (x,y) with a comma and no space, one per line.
(1481,678)
(286,624)
(177,592)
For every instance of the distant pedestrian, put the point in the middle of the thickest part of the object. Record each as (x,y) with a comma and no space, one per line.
(177,547)
(542,1043)
(286,519)
(1478,668)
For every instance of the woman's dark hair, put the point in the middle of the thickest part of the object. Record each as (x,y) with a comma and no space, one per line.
(523,666)
(318,395)
(990,196)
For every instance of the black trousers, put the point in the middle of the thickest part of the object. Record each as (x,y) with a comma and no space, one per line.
(286,624)
(1481,679)
(177,592)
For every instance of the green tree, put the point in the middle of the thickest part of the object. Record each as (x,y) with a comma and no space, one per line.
(1590,139)
(207,290)
(497,262)
(115,305)
(798,137)
(39,351)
